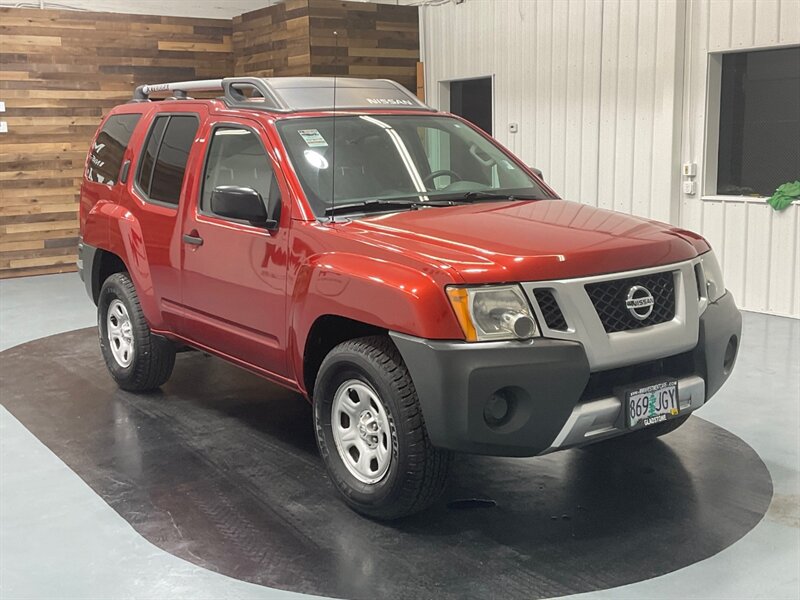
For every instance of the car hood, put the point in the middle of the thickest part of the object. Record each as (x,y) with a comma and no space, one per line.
(495,242)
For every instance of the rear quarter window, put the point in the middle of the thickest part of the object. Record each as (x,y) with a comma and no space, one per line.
(105,156)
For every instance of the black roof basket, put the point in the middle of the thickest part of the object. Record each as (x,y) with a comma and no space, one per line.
(290,94)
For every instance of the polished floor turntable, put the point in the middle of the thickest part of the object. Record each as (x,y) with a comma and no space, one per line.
(221,468)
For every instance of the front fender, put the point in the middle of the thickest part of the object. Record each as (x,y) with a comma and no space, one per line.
(369,290)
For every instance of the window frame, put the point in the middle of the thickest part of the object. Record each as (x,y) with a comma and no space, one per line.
(209,214)
(713,106)
(145,196)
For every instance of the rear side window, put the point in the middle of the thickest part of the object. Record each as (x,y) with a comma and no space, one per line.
(163,162)
(105,158)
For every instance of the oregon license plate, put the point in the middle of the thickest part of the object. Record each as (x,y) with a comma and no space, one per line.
(652,404)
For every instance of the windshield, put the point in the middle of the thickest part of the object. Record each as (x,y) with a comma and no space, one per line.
(382,157)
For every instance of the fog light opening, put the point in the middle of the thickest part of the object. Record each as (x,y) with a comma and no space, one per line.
(497,409)
(730,354)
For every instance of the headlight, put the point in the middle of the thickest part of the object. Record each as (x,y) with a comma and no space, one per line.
(493,313)
(715,285)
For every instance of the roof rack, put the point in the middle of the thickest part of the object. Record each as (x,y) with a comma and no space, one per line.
(291,94)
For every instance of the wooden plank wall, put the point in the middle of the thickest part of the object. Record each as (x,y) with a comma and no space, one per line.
(59,72)
(273,41)
(296,38)
(375,40)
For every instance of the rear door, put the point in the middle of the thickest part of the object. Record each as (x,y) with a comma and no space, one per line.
(234,273)
(158,187)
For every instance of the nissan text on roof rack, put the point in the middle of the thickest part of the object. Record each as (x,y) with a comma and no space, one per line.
(422,287)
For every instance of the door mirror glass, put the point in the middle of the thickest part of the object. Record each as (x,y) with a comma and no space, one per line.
(241,203)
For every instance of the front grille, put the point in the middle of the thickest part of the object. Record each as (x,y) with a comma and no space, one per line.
(553,317)
(609,299)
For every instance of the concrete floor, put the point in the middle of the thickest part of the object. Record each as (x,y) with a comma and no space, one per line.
(58,538)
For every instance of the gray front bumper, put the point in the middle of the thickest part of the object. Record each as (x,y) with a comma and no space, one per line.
(542,379)
(546,384)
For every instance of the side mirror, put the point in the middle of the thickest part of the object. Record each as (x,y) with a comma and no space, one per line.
(242,203)
(537,172)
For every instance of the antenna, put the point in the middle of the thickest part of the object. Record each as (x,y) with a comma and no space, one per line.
(333,155)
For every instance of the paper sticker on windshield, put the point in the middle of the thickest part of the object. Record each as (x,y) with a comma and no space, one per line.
(313,138)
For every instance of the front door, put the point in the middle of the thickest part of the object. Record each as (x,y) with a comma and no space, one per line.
(234,273)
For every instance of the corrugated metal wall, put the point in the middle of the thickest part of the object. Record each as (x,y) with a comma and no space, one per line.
(600,90)
(759,248)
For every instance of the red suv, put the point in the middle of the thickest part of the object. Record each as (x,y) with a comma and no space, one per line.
(415,281)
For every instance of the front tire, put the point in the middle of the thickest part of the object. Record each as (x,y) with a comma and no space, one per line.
(137,360)
(371,433)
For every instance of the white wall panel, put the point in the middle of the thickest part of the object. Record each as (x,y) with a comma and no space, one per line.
(766,22)
(758,247)
(610,97)
(592,84)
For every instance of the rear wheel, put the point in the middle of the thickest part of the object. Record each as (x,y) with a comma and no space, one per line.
(137,360)
(371,433)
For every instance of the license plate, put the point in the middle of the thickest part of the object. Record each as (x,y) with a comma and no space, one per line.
(652,404)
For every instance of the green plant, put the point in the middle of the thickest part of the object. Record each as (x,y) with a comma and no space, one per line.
(785,195)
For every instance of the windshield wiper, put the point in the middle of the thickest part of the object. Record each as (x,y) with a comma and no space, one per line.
(367,205)
(377,204)
(478,196)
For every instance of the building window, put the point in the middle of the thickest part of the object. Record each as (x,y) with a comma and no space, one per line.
(759,123)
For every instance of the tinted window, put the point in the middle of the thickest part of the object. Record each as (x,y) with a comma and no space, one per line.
(759,124)
(172,155)
(236,157)
(148,158)
(105,158)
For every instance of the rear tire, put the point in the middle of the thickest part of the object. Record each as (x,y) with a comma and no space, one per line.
(371,433)
(138,360)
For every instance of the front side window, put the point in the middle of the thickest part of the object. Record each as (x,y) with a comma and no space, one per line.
(163,162)
(108,149)
(759,122)
(236,157)
(397,156)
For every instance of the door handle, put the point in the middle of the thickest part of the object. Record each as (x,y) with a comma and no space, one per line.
(193,238)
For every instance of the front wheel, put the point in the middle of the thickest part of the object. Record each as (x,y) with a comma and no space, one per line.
(137,360)
(371,433)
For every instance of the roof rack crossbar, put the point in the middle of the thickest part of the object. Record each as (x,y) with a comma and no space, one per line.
(143,92)
(229,85)
(287,94)
(232,85)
